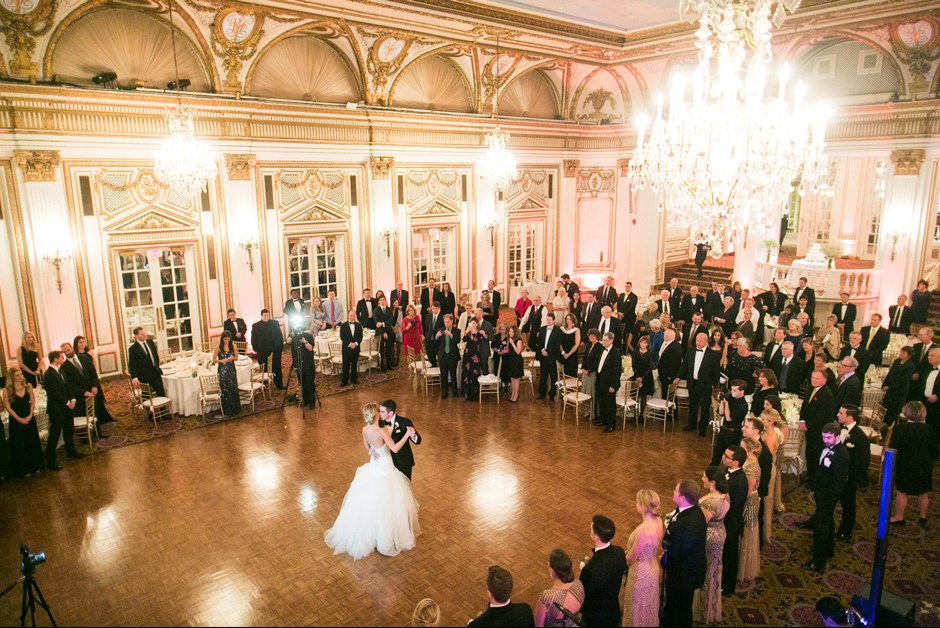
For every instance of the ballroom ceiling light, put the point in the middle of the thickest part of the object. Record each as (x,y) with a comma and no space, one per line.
(727,159)
(497,166)
(183,163)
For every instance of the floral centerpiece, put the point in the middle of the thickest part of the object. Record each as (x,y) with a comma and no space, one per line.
(875,376)
(626,363)
(832,251)
(770,246)
(790,404)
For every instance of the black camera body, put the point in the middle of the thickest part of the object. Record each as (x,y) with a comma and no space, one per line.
(29,561)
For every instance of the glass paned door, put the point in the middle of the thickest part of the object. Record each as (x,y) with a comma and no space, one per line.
(433,254)
(312,265)
(157,287)
(525,246)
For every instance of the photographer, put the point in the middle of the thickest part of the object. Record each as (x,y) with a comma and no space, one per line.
(733,410)
(307,367)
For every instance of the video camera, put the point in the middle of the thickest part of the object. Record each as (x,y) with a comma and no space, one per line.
(29,561)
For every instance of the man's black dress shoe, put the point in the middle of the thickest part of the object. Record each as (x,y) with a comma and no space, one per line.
(608,430)
(847,538)
(805,525)
(811,566)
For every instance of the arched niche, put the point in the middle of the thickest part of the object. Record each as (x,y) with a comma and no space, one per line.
(433,82)
(304,67)
(531,95)
(848,71)
(135,45)
(602,98)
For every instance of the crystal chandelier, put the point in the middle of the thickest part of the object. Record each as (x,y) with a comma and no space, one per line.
(183,164)
(497,166)
(728,158)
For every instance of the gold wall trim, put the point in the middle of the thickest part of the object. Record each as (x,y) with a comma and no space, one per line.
(907,162)
(240,167)
(37,165)
(19,241)
(78,232)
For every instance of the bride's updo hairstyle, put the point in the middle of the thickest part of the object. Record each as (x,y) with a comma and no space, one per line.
(369,412)
(649,500)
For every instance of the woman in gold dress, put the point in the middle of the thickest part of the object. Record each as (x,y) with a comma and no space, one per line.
(707,605)
(749,561)
(644,574)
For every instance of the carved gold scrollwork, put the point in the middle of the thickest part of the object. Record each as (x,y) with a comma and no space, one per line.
(571,167)
(623,166)
(235,37)
(240,166)
(387,53)
(22,21)
(908,161)
(595,181)
(37,165)
(381,167)
(916,42)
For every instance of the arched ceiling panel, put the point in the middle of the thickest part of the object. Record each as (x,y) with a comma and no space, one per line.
(433,83)
(304,68)
(529,96)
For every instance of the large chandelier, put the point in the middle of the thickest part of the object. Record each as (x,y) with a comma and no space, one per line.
(728,158)
(183,164)
(497,166)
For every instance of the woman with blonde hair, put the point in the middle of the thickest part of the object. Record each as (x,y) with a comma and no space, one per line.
(715,505)
(829,338)
(749,555)
(641,594)
(379,511)
(19,400)
(30,358)
(427,613)
(560,304)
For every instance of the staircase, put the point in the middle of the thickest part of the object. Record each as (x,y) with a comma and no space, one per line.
(933,314)
(687,274)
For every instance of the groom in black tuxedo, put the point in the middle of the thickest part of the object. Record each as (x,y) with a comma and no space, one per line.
(404,460)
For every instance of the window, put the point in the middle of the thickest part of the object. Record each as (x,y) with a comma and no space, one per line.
(312,265)
(432,255)
(871,246)
(525,248)
(298,264)
(824,206)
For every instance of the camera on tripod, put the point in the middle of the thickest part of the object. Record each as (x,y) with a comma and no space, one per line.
(32,595)
(29,561)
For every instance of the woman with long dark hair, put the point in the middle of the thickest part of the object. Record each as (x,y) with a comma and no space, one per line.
(225,356)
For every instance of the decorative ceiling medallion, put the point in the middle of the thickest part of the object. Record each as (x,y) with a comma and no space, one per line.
(916,42)
(20,7)
(388,48)
(236,27)
(917,34)
(502,65)
(21,22)
(235,40)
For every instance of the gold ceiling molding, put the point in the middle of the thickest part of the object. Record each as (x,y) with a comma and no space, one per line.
(387,51)
(240,167)
(595,181)
(907,162)
(37,165)
(623,166)
(381,167)
(916,42)
(22,23)
(571,167)
(234,36)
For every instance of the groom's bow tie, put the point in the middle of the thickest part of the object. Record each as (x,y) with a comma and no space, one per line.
(383,423)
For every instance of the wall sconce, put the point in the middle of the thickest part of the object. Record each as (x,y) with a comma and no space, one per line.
(248,244)
(895,236)
(57,257)
(388,233)
(492,226)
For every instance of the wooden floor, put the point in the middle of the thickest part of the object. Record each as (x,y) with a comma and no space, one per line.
(224,525)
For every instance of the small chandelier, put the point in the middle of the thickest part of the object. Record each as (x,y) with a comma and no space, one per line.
(183,164)
(497,166)
(728,158)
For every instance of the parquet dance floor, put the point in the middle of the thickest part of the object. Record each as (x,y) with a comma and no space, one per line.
(224,525)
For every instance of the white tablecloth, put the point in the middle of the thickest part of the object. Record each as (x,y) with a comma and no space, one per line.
(182,387)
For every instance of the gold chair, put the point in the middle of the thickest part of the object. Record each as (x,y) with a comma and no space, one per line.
(156,407)
(571,396)
(878,452)
(430,374)
(367,354)
(164,355)
(628,398)
(792,455)
(264,376)
(210,393)
(662,409)
(872,425)
(88,422)
(336,356)
(250,389)
(870,397)
(241,346)
(489,384)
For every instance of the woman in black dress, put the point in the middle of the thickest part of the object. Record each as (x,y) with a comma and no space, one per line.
(448,301)
(500,347)
(897,384)
(643,371)
(513,361)
(470,367)
(25,447)
(916,444)
(570,341)
(80,344)
(773,301)
(589,363)
(766,387)
(31,359)
(920,303)
(576,307)
(225,357)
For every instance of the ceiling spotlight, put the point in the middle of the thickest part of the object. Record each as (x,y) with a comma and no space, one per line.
(183,84)
(104,78)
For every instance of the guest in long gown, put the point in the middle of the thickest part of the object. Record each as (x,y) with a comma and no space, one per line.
(644,573)
(643,372)
(565,591)
(714,505)
(589,363)
(513,367)
(749,561)
(411,330)
(570,341)
(225,357)
(718,342)
(770,438)
(766,386)
(471,368)
(560,303)
(448,300)
(499,348)
(897,384)
(915,442)
(19,401)
(30,358)
(80,346)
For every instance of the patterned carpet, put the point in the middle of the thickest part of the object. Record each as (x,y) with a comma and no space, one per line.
(126,430)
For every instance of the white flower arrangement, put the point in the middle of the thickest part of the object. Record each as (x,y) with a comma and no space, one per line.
(875,376)
(790,404)
(626,364)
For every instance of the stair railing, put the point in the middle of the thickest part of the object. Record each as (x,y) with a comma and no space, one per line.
(929,275)
(660,270)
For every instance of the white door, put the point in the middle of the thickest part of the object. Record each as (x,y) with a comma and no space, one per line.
(313,266)
(159,294)
(434,254)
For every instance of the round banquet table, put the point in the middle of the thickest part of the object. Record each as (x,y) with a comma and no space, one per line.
(324,338)
(182,387)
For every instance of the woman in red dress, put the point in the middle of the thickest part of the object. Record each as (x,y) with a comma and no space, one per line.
(411,331)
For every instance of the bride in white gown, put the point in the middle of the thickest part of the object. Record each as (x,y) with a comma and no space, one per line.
(379,511)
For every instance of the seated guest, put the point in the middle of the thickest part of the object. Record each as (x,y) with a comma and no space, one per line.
(427,612)
(565,591)
(900,317)
(602,576)
(334,309)
(920,303)
(365,309)
(522,303)
(829,338)
(267,340)
(502,610)
(652,312)
(87,361)
(795,334)
(845,314)
(235,326)
(875,339)
(854,349)
(144,363)
(350,334)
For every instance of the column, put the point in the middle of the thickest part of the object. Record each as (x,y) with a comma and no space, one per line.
(386,231)
(245,248)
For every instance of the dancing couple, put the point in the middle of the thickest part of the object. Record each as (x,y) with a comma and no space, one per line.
(379,512)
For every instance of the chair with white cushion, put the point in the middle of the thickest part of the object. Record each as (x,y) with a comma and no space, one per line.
(87,422)
(210,394)
(489,384)
(662,409)
(628,398)
(252,388)
(156,407)
(571,396)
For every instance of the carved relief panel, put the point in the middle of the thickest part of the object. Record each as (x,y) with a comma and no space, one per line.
(595,219)
(313,195)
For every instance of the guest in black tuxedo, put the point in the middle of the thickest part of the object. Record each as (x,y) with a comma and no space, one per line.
(496,298)
(804,291)
(267,340)
(448,355)
(77,379)
(403,459)
(235,326)
(875,339)
(792,370)
(930,395)
(293,308)
(591,315)
(692,303)
(772,354)
(144,363)
(532,321)
(897,384)
(849,386)
(670,360)
(900,317)
(733,459)
(828,484)
(818,409)
(548,353)
(384,334)
(701,253)
(683,555)
(666,305)
(433,323)
(429,295)
(695,327)
(60,401)
(714,300)
(675,292)
(700,370)
(626,309)
(86,364)
(921,363)
(570,286)
(502,611)
(607,382)
(607,294)
(365,309)
(854,349)
(859,450)
(609,323)
(350,333)
(399,294)
(845,313)
(602,576)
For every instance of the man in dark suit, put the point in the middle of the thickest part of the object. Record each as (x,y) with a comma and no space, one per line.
(854,349)
(804,291)
(792,369)
(235,326)
(608,322)
(592,315)
(384,333)
(433,323)
(921,363)
(607,294)
(350,334)
(772,355)
(403,459)
(607,384)
(828,484)
(667,306)
(82,376)
(818,409)
(849,386)
(683,555)
(733,460)
(487,328)
(143,363)
(700,370)
(570,286)
(429,295)
(365,309)
(532,321)
(448,355)
(845,314)
(675,293)
(267,340)
(692,303)
(399,294)
(929,393)
(875,339)
(496,298)
(60,402)
(714,300)
(859,449)
(502,611)
(900,317)
(626,309)
(602,575)
(293,308)
(695,327)
(701,253)
(548,353)
(669,360)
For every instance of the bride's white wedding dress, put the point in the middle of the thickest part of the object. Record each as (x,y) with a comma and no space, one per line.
(379,512)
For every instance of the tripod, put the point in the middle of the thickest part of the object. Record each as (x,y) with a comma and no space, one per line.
(31,588)
(298,362)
